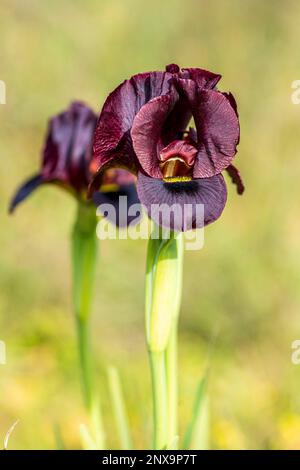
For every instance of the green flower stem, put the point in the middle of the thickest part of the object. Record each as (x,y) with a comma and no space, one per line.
(172,386)
(163,294)
(171,352)
(160,399)
(84,253)
(85,361)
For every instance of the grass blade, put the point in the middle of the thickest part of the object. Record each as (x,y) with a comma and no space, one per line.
(119,408)
(197,424)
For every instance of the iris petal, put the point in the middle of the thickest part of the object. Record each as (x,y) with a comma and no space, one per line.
(99,175)
(185,198)
(113,198)
(68,147)
(203,78)
(236,178)
(232,101)
(217,127)
(25,190)
(146,130)
(112,138)
(218,133)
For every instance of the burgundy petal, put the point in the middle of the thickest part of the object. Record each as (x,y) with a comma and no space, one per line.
(68,149)
(177,121)
(118,177)
(236,178)
(203,78)
(83,135)
(25,190)
(191,136)
(180,148)
(217,132)
(172,68)
(99,174)
(146,131)
(112,137)
(184,197)
(122,219)
(232,101)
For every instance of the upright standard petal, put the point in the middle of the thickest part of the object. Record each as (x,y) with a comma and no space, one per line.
(203,78)
(112,137)
(146,131)
(68,148)
(217,133)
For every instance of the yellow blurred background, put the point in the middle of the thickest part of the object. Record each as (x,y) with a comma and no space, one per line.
(242,287)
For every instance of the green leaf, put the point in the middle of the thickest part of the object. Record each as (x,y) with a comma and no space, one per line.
(198,427)
(87,441)
(163,288)
(60,445)
(119,408)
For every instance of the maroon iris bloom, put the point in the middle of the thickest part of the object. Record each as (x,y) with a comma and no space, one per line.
(143,127)
(67,159)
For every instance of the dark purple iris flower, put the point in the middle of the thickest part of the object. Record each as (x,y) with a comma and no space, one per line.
(67,159)
(143,127)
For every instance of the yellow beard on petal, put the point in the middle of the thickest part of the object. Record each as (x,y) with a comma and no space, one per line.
(109,188)
(177,179)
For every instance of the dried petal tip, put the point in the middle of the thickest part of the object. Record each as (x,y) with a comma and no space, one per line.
(172,68)
(236,178)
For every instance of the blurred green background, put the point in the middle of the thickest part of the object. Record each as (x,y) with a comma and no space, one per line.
(242,287)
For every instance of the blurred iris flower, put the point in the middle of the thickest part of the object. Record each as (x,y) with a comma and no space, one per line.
(67,163)
(143,127)
(67,159)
